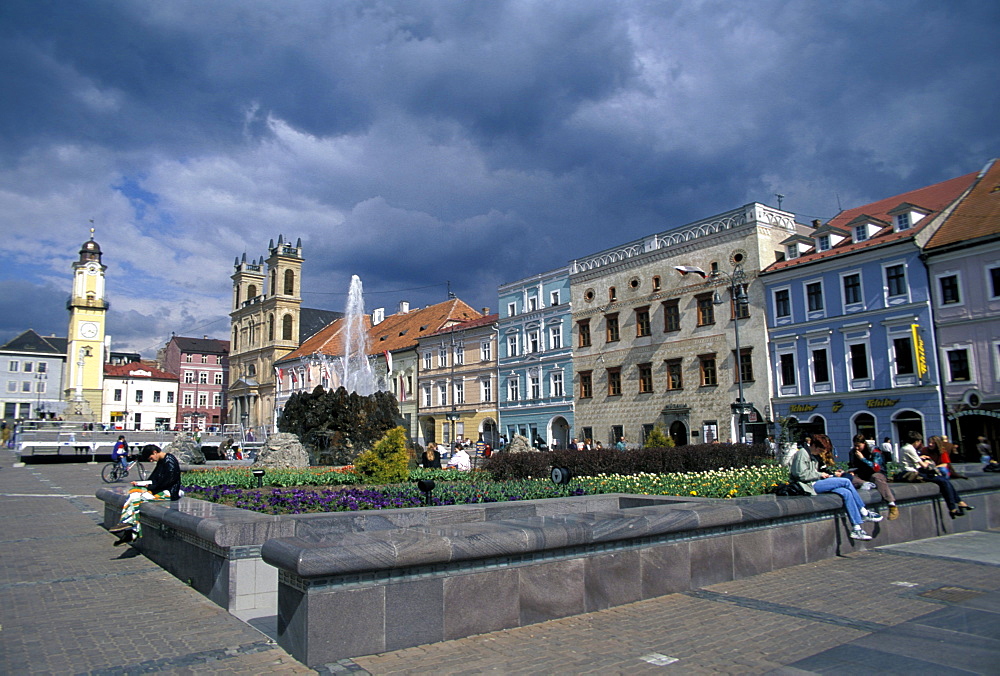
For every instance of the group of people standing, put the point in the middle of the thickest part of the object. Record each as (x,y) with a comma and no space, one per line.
(812,470)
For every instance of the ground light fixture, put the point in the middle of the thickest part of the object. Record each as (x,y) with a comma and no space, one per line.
(561,475)
(426,486)
(259,473)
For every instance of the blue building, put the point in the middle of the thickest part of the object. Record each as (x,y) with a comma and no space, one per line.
(536,358)
(850,333)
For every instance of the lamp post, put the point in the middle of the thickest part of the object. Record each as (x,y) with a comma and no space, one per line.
(41,378)
(737,281)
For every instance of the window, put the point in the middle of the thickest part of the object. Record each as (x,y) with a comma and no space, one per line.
(486,351)
(583,333)
(611,322)
(13,366)
(556,383)
(674,378)
(289,283)
(138,396)
(859,361)
(706,309)
(823,242)
(189,377)
(218,378)
(642,322)
(532,304)
(994,275)
(202,400)
(902,350)
(782,304)
(555,337)
(43,367)
(852,289)
(513,389)
(860,233)
(586,385)
(203,377)
(671,316)
(486,389)
(40,387)
(645,378)
(958,365)
(903,221)
(821,366)
(204,359)
(170,397)
(428,402)
(656,282)
(895,280)
(459,387)
(28,366)
(459,354)
(442,357)
(12,386)
(614,382)
(442,394)
(188,358)
(511,309)
(512,345)
(26,386)
(533,343)
(612,294)
(949,289)
(706,363)
(814,296)
(535,386)
(188,399)
(118,395)
(156,396)
(746,365)
(787,366)
(217,400)
(554,298)
(286,327)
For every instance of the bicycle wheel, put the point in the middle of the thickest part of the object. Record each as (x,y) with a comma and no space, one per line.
(110,473)
(140,470)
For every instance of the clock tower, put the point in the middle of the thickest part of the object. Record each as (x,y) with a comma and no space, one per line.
(85,339)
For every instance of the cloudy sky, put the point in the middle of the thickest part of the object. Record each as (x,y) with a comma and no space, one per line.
(416,143)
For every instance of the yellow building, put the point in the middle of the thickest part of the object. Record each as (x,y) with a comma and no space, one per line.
(85,338)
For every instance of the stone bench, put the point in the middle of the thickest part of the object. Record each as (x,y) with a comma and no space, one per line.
(345,584)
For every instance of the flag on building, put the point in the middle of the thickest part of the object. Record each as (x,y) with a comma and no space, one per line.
(685,269)
(919,351)
(388,362)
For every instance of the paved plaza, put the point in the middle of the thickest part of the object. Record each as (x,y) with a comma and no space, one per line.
(70,603)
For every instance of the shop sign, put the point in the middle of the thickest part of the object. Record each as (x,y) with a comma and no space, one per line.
(881,403)
(802,408)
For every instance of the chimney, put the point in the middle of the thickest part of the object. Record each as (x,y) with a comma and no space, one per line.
(378,315)
(404,307)
(816,222)
(486,310)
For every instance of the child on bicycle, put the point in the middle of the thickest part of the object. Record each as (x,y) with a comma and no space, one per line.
(163,484)
(119,453)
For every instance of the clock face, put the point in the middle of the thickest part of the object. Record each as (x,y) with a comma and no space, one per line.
(92,269)
(88,330)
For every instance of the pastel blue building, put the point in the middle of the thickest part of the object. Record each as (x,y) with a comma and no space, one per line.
(850,332)
(536,358)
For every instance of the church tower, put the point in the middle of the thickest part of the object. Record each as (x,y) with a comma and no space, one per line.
(85,338)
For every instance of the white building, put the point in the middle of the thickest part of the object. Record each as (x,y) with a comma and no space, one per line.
(139,396)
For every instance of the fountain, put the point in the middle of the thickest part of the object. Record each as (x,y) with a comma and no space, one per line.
(354,368)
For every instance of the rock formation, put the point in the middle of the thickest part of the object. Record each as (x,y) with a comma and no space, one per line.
(282,450)
(186,450)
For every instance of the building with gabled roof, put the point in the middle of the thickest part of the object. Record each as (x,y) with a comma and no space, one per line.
(392,342)
(202,368)
(849,321)
(963,261)
(139,396)
(33,368)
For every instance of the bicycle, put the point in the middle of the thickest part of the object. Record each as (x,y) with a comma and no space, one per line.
(113,472)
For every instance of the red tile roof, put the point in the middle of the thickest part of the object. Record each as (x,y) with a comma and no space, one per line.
(977,215)
(126,371)
(933,199)
(395,332)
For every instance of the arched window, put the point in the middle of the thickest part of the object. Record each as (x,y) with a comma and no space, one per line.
(286,327)
(289,282)
(236,339)
(270,327)
(251,291)
(237,290)
(864,424)
(274,282)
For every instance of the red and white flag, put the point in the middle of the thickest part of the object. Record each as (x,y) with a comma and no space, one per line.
(685,269)
(402,389)
(388,362)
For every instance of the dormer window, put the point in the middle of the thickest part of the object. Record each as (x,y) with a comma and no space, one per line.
(860,233)
(903,222)
(906,216)
(823,243)
(792,250)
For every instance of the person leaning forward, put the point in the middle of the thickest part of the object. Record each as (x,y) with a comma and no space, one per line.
(163,484)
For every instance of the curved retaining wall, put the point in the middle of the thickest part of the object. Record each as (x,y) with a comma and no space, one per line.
(354,583)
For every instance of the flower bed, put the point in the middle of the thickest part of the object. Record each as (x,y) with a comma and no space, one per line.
(323,490)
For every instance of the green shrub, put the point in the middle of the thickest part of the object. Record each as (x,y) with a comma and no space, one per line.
(387,462)
(658,438)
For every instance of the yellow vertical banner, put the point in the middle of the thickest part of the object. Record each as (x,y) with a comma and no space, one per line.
(918,349)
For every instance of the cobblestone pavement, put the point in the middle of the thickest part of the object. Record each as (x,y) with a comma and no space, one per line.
(70,603)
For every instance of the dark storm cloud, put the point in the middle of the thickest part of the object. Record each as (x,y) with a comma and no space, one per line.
(415,143)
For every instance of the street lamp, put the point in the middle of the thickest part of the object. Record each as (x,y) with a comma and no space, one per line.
(737,280)
(41,378)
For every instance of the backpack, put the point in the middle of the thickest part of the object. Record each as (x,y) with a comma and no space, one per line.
(788,490)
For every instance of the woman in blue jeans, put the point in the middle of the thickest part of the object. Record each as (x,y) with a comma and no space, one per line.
(809,469)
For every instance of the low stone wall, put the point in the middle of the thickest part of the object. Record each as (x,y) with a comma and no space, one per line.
(355,583)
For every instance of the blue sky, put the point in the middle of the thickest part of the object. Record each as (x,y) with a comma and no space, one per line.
(416,143)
